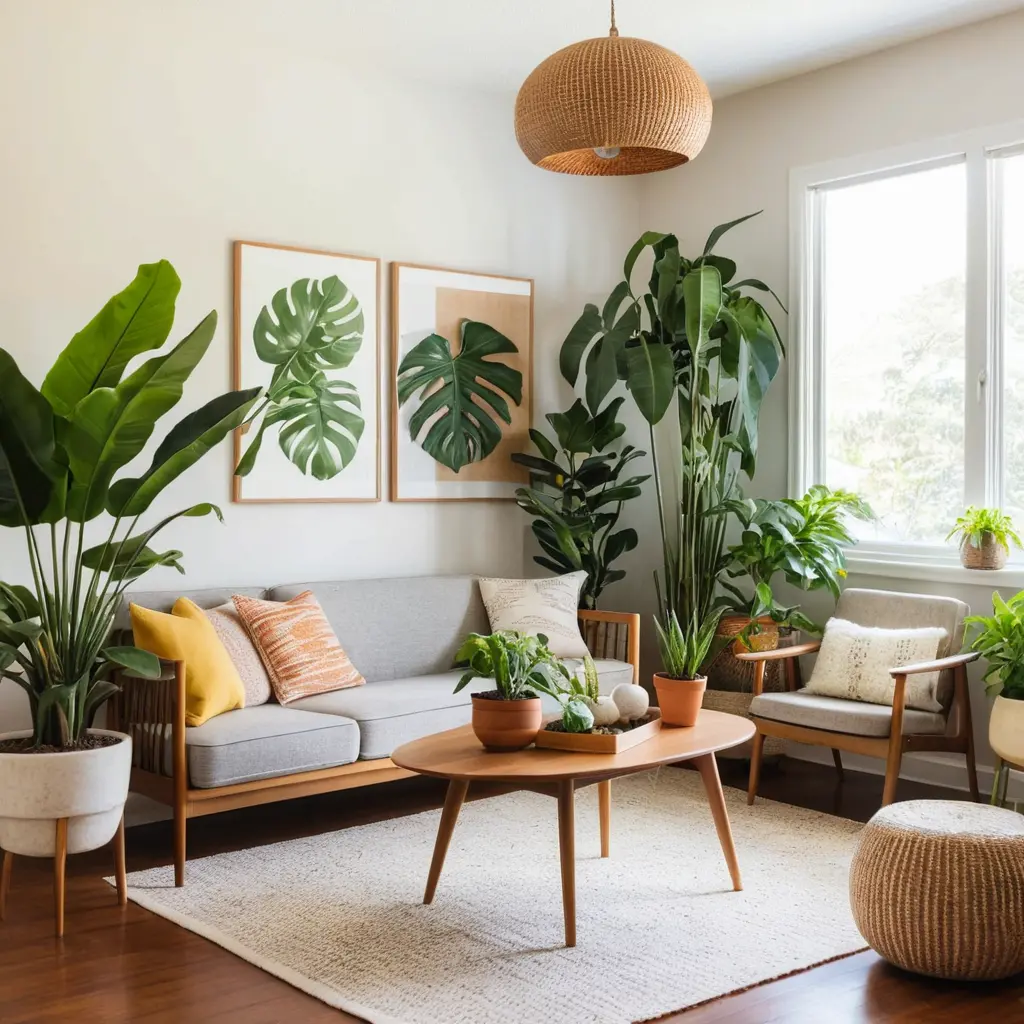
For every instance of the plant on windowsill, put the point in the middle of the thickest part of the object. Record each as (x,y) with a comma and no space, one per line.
(521,666)
(985,536)
(577,493)
(804,541)
(999,639)
(60,448)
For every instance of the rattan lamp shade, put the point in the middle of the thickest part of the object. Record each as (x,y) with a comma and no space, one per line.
(615,93)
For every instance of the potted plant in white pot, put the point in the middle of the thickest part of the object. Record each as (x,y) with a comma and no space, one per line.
(63,783)
(509,716)
(984,536)
(999,638)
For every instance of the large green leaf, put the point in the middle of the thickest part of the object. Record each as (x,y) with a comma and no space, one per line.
(648,238)
(717,232)
(574,429)
(184,446)
(650,377)
(320,328)
(459,394)
(134,321)
(30,474)
(130,559)
(702,293)
(110,426)
(583,332)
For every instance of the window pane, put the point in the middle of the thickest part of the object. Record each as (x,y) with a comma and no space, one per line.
(1012,174)
(894,255)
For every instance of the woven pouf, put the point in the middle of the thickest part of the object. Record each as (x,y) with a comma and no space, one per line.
(937,887)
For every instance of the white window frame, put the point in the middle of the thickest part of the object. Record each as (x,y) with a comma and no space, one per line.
(983,478)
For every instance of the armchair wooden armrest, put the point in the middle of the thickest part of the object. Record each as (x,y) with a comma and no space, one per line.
(780,653)
(938,665)
(614,635)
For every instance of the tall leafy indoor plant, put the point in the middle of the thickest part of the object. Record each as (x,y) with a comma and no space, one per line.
(64,452)
(696,344)
(576,495)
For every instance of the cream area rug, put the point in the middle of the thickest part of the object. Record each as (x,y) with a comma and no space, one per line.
(658,926)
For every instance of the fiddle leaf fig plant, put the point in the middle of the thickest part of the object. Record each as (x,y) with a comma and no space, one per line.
(460,394)
(312,328)
(62,448)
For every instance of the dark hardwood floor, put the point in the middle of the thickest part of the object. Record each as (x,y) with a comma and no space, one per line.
(126,964)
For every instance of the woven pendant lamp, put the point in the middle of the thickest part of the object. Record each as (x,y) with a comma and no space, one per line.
(612,105)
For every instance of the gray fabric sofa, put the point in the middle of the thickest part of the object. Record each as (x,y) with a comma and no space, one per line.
(402,635)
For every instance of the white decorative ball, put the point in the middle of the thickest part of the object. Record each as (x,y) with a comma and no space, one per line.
(604,710)
(631,700)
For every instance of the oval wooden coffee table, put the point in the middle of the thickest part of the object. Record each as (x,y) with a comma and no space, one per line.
(457,756)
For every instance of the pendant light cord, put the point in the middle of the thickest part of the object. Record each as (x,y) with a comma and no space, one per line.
(613,31)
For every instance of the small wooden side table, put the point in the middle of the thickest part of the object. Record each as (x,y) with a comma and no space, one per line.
(59,863)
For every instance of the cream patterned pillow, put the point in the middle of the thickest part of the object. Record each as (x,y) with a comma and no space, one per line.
(854,663)
(545,606)
(237,642)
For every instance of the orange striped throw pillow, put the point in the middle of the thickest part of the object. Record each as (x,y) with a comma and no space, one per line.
(298,646)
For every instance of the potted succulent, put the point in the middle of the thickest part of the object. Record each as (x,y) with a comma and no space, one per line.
(680,687)
(985,535)
(61,446)
(999,638)
(509,716)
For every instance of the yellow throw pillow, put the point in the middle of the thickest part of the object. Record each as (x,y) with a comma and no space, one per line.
(212,683)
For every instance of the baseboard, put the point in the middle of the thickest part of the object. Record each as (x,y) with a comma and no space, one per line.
(947,770)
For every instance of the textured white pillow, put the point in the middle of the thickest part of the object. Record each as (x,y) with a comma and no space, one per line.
(545,606)
(854,662)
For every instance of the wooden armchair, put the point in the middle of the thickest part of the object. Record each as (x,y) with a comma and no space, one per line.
(873,729)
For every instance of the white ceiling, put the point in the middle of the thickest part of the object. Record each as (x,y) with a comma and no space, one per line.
(494,44)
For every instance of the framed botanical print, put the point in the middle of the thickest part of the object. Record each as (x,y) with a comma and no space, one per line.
(462,357)
(307,329)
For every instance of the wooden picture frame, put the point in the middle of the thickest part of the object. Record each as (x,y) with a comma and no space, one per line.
(511,303)
(368,488)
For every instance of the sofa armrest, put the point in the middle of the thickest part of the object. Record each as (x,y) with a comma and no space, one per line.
(149,710)
(614,635)
(780,653)
(938,665)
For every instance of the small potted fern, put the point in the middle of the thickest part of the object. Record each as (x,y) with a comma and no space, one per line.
(509,716)
(985,536)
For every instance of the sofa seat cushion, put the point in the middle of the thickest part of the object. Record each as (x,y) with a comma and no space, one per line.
(838,715)
(267,740)
(394,711)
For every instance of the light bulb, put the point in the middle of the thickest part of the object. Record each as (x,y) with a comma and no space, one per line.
(607,152)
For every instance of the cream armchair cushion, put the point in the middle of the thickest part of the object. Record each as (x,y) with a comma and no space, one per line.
(854,663)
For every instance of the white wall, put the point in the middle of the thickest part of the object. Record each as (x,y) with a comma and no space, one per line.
(137,129)
(962,79)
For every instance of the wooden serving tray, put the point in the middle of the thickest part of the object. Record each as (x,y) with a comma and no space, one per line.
(599,743)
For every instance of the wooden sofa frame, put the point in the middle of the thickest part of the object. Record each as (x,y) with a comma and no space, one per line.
(146,709)
(958,738)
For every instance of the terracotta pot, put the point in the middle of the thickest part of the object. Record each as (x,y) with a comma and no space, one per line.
(1006,729)
(679,699)
(88,787)
(990,554)
(506,724)
(765,640)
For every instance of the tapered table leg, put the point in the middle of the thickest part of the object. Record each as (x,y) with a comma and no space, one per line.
(604,802)
(708,767)
(567,853)
(119,865)
(5,882)
(453,801)
(60,856)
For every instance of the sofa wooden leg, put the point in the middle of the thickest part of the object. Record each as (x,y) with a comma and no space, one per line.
(60,857)
(179,846)
(755,765)
(5,882)
(837,759)
(892,772)
(119,865)
(972,770)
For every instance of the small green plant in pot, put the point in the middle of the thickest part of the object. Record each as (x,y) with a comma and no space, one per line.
(680,686)
(509,716)
(985,536)
(999,639)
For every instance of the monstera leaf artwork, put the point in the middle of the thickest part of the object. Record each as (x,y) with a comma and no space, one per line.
(462,396)
(310,330)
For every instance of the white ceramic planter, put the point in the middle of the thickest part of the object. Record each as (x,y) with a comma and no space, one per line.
(1006,729)
(88,787)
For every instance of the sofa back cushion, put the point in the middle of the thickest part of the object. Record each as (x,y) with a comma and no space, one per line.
(397,628)
(163,600)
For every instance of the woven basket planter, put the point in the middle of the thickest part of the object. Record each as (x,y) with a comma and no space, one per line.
(990,554)
(937,888)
